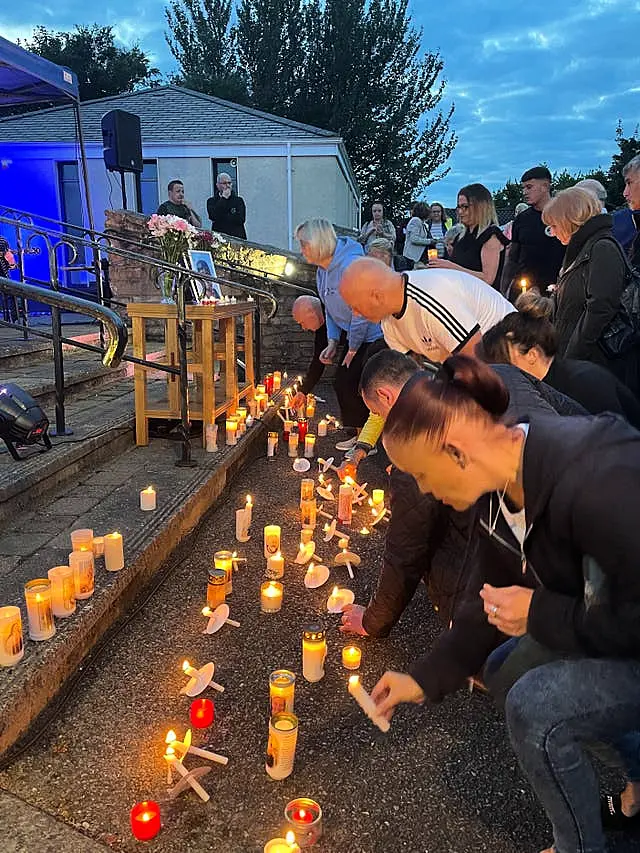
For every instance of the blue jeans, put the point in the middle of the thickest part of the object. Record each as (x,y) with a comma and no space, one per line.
(552,712)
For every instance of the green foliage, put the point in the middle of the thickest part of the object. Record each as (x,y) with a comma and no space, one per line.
(102,68)
(628,147)
(508,196)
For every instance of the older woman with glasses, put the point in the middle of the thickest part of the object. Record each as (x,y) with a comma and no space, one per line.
(479,249)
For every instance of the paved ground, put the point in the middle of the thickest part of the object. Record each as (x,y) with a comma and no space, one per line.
(443,779)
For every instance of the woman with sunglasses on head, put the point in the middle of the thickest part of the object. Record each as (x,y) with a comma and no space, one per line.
(563,493)
(479,249)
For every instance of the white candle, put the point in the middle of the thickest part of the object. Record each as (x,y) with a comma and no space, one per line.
(345,504)
(63,596)
(82,564)
(293,444)
(314,652)
(275,566)
(113,552)
(271,597)
(309,446)
(242,525)
(322,428)
(174,764)
(272,444)
(37,594)
(232,432)
(271,540)
(367,704)
(282,845)
(248,508)
(211,438)
(148,499)
(11,644)
(186,747)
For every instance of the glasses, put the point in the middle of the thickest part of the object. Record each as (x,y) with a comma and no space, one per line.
(225,183)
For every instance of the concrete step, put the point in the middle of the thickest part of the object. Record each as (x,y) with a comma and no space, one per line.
(104,497)
(15,352)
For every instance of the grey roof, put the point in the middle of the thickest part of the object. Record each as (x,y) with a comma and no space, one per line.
(167,114)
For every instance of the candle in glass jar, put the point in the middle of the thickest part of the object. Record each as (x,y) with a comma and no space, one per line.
(98,546)
(281,748)
(148,499)
(311,407)
(63,596)
(286,430)
(293,444)
(271,596)
(314,652)
(275,566)
(113,552)
(282,688)
(345,504)
(82,565)
(351,657)
(377,498)
(145,820)
(432,254)
(37,594)
(271,540)
(307,489)
(309,446)
(277,380)
(302,429)
(11,643)
(242,525)
(231,432)
(308,513)
(322,428)
(304,816)
(272,444)
(260,389)
(216,588)
(82,539)
(223,561)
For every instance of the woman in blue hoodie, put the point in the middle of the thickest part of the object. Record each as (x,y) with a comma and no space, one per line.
(351,338)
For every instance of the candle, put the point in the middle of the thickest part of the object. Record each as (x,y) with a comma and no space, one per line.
(314,652)
(82,565)
(293,444)
(282,688)
(145,820)
(343,542)
(432,254)
(302,428)
(268,384)
(366,703)
(63,597)
(304,816)
(275,566)
(82,539)
(241,415)
(277,380)
(281,748)
(307,487)
(523,285)
(211,438)
(183,747)
(253,408)
(286,430)
(216,587)
(308,514)
(345,503)
(148,499)
(37,594)
(242,525)
(113,552)
(377,498)
(339,599)
(174,764)
(309,446)
(260,389)
(311,408)
(282,845)
(202,713)
(223,560)
(351,657)
(201,678)
(271,540)
(322,428)
(364,531)
(98,546)
(306,535)
(272,444)
(271,596)
(11,644)
(231,432)
(248,507)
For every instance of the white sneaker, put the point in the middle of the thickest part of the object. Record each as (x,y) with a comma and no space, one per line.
(349,444)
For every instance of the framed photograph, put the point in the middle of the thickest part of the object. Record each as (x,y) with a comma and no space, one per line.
(201,261)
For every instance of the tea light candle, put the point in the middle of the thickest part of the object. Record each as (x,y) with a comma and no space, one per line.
(201,713)
(63,597)
(293,444)
(82,539)
(366,703)
(271,540)
(113,552)
(275,566)
(11,643)
(98,546)
(231,432)
(82,565)
(271,596)
(351,657)
(309,446)
(377,498)
(145,820)
(322,428)
(282,845)
(148,499)
(304,816)
(345,503)
(37,594)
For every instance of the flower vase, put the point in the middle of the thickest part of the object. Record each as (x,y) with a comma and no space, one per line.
(167,288)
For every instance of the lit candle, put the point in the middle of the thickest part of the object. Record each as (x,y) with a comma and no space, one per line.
(293,444)
(175,764)
(343,542)
(281,748)
(223,561)
(260,389)
(272,444)
(314,652)
(113,552)
(277,380)
(82,539)
(231,432)
(351,657)
(311,407)
(282,688)
(302,428)
(98,546)
(268,384)
(204,676)
(282,845)
(364,531)
(339,599)
(367,704)
(271,540)
(185,747)
(309,446)
(307,487)
(275,566)
(271,596)
(524,284)
(304,816)
(345,503)
(63,597)
(11,643)
(145,820)
(37,594)
(308,511)
(432,254)
(248,506)
(377,498)
(202,713)
(306,535)
(242,525)
(322,428)
(148,499)
(82,565)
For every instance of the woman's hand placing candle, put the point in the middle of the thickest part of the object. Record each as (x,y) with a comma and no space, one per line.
(352,620)
(394,688)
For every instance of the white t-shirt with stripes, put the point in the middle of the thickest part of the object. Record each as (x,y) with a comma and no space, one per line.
(442,310)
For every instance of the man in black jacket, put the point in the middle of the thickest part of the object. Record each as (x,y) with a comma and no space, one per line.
(226,209)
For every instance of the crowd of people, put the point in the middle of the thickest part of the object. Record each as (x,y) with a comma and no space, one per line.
(499,368)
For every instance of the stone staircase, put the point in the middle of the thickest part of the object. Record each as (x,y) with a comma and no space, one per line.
(91,478)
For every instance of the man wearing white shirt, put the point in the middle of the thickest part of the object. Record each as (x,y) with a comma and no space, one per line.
(431,312)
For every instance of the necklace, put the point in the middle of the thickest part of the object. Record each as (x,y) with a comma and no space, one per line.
(493,524)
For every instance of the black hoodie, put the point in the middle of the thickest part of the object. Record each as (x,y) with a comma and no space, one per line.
(227,215)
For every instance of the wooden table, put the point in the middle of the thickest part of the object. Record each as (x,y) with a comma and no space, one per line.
(208,346)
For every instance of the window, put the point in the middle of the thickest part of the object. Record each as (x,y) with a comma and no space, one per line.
(147,199)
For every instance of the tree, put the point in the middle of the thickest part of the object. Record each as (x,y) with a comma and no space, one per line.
(508,196)
(204,44)
(353,67)
(102,67)
(628,147)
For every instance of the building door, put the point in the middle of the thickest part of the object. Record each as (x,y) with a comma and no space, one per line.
(147,188)
(72,214)
(229,166)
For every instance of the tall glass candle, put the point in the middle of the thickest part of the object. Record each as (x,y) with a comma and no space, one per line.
(302,429)
(113,552)
(308,513)
(277,380)
(345,504)
(293,444)
(232,432)
(39,613)
(307,489)
(286,431)
(271,596)
(223,560)
(268,384)
(242,525)
(314,652)
(82,565)
(272,444)
(309,446)
(281,749)
(271,540)
(275,566)
(322,428)
(11,644)
(63,596)
(216,588)
(282,688)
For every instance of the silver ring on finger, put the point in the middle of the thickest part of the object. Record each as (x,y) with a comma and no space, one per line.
(494,610)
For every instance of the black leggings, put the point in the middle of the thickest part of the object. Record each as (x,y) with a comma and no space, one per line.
(353,411)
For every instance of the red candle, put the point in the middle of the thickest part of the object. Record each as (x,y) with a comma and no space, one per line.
(268,383)
(201,713)
(302,429)
(145,820)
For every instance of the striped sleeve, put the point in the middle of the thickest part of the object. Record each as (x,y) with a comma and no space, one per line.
(451,325)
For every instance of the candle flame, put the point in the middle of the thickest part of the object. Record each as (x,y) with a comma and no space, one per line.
(348,481)
(335,591)
(370,502)
(186,665)
(311,568)
(365,531)
(171,736)
(249,501)
(352,650)
(149,489)
(234,555)
(354,679)
(170,751)
(326,527)
(146,816)
(206,611)
(290,837)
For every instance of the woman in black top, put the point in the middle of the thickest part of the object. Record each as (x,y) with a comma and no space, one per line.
(479,249)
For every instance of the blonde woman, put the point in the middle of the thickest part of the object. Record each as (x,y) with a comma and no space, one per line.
(479,249)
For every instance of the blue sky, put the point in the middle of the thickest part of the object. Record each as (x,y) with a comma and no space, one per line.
(531,81)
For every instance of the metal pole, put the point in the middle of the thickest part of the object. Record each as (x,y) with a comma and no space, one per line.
(58,358)
(258,342)
(185,460)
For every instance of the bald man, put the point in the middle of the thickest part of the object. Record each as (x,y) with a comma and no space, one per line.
(431,312)
(308,313)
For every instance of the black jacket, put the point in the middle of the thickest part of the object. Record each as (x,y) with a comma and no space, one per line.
(228,215)
(581,479)
(316,367)
(590,286)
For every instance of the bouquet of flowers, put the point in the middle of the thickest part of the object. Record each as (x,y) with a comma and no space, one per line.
(175,236)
